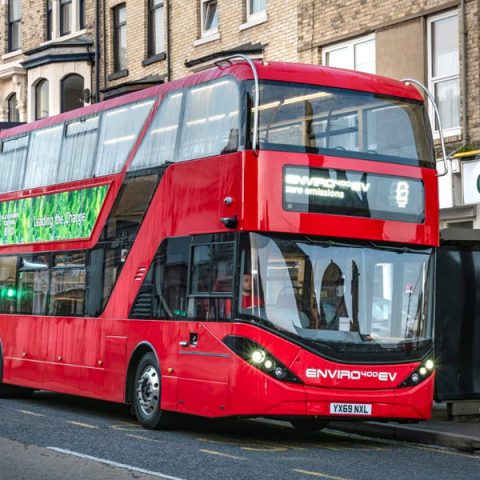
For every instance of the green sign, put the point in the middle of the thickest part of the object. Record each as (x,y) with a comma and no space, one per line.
(59,216)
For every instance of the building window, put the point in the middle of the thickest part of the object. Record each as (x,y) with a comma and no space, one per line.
(13,113)
(72,92)
(256,8)
(209,17)
(443,70)
(14,25)
(358,54)
(49,25)
(156,34)
(120,37)
(41,99)
(81,14)
(65,17)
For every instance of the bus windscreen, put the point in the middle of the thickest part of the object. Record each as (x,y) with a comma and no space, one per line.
(356,298)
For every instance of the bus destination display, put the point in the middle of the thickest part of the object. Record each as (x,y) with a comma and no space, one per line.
(361,194)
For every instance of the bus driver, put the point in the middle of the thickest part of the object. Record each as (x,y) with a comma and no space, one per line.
(249,298)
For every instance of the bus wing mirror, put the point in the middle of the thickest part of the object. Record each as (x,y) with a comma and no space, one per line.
(431,98)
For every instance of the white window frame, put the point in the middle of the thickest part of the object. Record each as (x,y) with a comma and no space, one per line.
(350,45)
(256,17)
(447,132)
(212,32)
(75,30)
(253,19)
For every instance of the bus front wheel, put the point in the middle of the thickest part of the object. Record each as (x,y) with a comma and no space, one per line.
(146,393)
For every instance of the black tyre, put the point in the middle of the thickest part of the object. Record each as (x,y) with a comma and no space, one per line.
(308,424)
(12,391)
(146,393)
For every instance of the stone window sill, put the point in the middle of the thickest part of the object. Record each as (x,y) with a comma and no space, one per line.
(154,59)
(207,39)
(117,75)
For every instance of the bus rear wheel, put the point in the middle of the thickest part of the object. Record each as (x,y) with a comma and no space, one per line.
(308,424)
(12,391)
(146,393)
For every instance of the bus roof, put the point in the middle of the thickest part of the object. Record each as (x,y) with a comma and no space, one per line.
(275,71)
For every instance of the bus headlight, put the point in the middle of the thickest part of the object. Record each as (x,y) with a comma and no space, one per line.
(260,358)
(420,374)
(269,364)
(429,364)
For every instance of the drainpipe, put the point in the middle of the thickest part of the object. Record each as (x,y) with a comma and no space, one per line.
(104,46)
(97,51)
(169,50)
(463,28)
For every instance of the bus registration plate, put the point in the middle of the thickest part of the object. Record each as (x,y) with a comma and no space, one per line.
(350,409)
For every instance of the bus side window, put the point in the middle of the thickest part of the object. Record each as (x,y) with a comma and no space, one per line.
(211,121)
(119,131)
(78,150)
(8,284)
(171,274)
(164,289)
(67,284)
(43,157)
(13,159)
(158,145)
(211,284)
(106,260)
(32,286)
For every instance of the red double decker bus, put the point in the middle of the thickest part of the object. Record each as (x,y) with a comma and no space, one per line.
(253,240)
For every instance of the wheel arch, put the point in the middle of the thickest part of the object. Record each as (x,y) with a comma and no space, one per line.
(138,352)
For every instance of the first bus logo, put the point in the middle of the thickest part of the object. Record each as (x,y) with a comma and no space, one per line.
(349,374)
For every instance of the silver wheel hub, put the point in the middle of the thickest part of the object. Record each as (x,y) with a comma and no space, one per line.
(148,390)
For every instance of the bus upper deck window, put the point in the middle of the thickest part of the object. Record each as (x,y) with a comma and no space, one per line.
(211,120)
(118,133)
(158,145)
(13,158)
(43,157)
(78,150)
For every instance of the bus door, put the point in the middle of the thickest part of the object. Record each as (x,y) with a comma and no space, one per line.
(203,360)
(203,370)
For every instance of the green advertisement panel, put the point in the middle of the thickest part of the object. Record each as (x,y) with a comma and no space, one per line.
(59,216)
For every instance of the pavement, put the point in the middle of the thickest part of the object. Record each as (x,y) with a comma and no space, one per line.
(461,433)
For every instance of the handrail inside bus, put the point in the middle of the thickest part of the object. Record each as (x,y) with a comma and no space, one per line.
(437,114)
(257,93)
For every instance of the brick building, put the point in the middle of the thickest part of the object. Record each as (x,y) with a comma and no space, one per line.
(46,54)
(49,50)
(433,41)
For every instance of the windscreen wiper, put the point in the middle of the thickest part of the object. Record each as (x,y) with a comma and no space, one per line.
(331,243)
(402,249)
